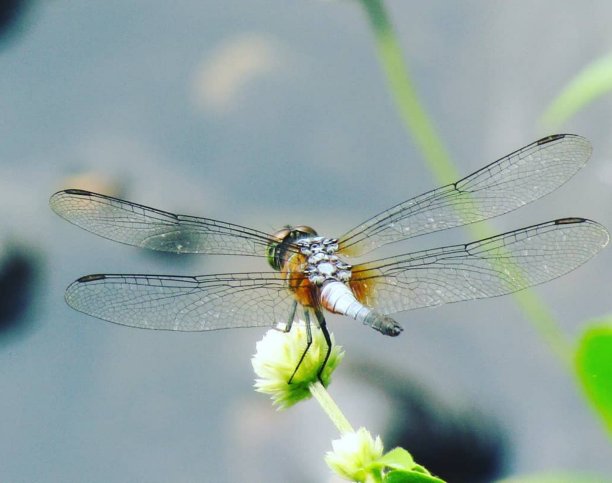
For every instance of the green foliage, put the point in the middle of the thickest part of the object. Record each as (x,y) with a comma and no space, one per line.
(398,466)
(410,477)
(594,367)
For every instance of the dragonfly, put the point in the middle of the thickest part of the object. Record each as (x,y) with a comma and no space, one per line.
(310,275)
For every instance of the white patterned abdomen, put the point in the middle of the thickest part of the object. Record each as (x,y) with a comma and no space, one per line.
(339,299)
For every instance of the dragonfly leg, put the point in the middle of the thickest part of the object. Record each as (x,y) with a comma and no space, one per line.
(323,327)
(308,343)
(290,320)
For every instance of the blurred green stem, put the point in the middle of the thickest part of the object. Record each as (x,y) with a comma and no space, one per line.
(414,116)
(422,130)
(592,82)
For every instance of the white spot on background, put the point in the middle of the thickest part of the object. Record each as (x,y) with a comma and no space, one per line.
(233,65)
(606,173)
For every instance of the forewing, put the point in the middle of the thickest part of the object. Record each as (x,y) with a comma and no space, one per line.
(487,268)
(500,187)
(184,303)
(145,227)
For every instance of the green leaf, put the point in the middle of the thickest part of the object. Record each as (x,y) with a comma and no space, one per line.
(404,469)
(420,469)
(594,367)
(397,458)
(401,476)
(594,81)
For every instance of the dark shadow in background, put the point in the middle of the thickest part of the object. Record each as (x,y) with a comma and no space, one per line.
(12,18)
(458,445)
(19,277)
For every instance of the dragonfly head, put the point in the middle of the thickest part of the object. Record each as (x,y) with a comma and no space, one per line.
(282,239)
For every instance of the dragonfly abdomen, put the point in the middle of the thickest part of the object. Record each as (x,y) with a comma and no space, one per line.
(338,299)
(383,323)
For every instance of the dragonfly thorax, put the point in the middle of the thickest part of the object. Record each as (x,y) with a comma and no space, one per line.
(322,263)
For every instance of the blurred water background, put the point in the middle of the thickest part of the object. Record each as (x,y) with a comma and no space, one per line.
(267,113)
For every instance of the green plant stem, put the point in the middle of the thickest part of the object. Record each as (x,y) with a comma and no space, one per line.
(405,96)
(422,130)
(592,82)
(319,392)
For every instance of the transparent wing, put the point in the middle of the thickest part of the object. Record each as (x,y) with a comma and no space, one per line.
(500,187)
(184,303)
(487,268)
(145,227)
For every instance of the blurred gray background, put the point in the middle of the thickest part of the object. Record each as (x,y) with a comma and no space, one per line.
(265,113)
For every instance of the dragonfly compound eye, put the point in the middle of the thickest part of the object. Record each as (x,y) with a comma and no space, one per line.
(305,230)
